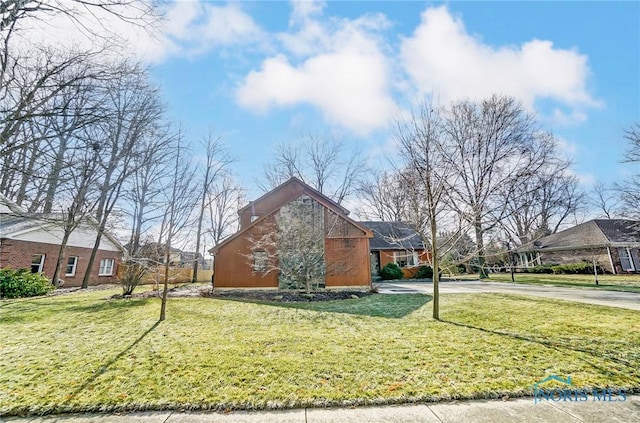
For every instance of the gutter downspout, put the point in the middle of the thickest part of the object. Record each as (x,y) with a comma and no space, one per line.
(613,268)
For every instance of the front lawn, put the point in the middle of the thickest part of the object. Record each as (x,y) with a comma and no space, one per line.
(627,283)
(81,352)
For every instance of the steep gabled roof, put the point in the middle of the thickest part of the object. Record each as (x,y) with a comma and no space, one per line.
(594,233)
(393,236)
(320,198)
(310,190)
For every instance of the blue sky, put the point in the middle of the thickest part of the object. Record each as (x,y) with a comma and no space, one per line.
(265,72)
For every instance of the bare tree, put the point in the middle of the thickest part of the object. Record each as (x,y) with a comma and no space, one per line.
(80,199)
(384,197)
(629,190)
(606,200)
(322,162)
(181,200)
(224,199)
(133,113)
(216,163)
(493,144)
(428,173)
(545,199)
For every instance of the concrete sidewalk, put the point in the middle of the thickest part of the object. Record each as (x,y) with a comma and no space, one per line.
(491,411)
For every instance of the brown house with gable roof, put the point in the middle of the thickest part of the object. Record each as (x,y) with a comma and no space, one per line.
(345,249)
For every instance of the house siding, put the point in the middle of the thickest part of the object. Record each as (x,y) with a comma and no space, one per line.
(17,254)
(347,262)
(233,267)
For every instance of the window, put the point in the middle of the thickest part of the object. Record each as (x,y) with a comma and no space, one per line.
(37,263)
(405,258)
(106,267)
(254,217)
(626,260)
(71,266)
(260,261)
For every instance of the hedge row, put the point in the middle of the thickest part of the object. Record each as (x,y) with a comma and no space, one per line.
(583,268)
(22,283)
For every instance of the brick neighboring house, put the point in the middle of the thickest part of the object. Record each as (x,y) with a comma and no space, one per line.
(32,241)
(395,242)
(345,243)
(614,244)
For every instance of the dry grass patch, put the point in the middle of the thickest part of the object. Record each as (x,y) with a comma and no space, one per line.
(82,352)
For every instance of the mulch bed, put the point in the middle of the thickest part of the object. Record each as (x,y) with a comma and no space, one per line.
(280,296)
(287,296)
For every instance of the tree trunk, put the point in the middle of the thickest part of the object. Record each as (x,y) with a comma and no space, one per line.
(482,271)
(436,270)
(163,306)
(63,246)
(92,258)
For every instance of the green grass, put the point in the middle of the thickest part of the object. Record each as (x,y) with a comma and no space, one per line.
(626,283)
(81,352)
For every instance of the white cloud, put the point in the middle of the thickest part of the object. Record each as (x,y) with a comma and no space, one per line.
(187,28)
(343,72)
(197,27)
(442,59)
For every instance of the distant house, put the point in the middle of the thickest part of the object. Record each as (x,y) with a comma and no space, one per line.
(395,242)
(239,263)
(156,253)
(614,244)
(32,241)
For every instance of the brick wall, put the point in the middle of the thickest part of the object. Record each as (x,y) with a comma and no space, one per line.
(18,254)
(576,256)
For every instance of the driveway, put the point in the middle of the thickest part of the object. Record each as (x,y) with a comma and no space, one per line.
(630,300)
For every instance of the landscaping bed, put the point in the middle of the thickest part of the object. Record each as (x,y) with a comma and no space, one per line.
(279,296)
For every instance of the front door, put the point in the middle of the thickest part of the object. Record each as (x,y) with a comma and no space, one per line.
(374,258)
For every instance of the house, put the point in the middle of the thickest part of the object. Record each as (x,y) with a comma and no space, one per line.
(395,242)
(32,241)
(156,253)
(241,261)
(614,244)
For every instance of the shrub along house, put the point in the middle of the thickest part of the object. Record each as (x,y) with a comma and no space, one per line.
(289,229)
(614,244)
(32,241)
(395,242)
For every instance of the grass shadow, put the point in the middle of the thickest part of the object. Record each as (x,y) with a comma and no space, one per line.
(380,305)
(103,369)
(38,310)
(558,345)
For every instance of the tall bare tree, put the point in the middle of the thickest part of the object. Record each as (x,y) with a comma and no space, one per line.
(384,197)
(180,201)
(545,199)
(629,190)
(322,162)
(216,165)
(606,200)
(493,143)
(428,173)
(133,113)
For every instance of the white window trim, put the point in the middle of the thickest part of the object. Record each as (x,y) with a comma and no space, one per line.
(75,265)
(41,265)
(102,272)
